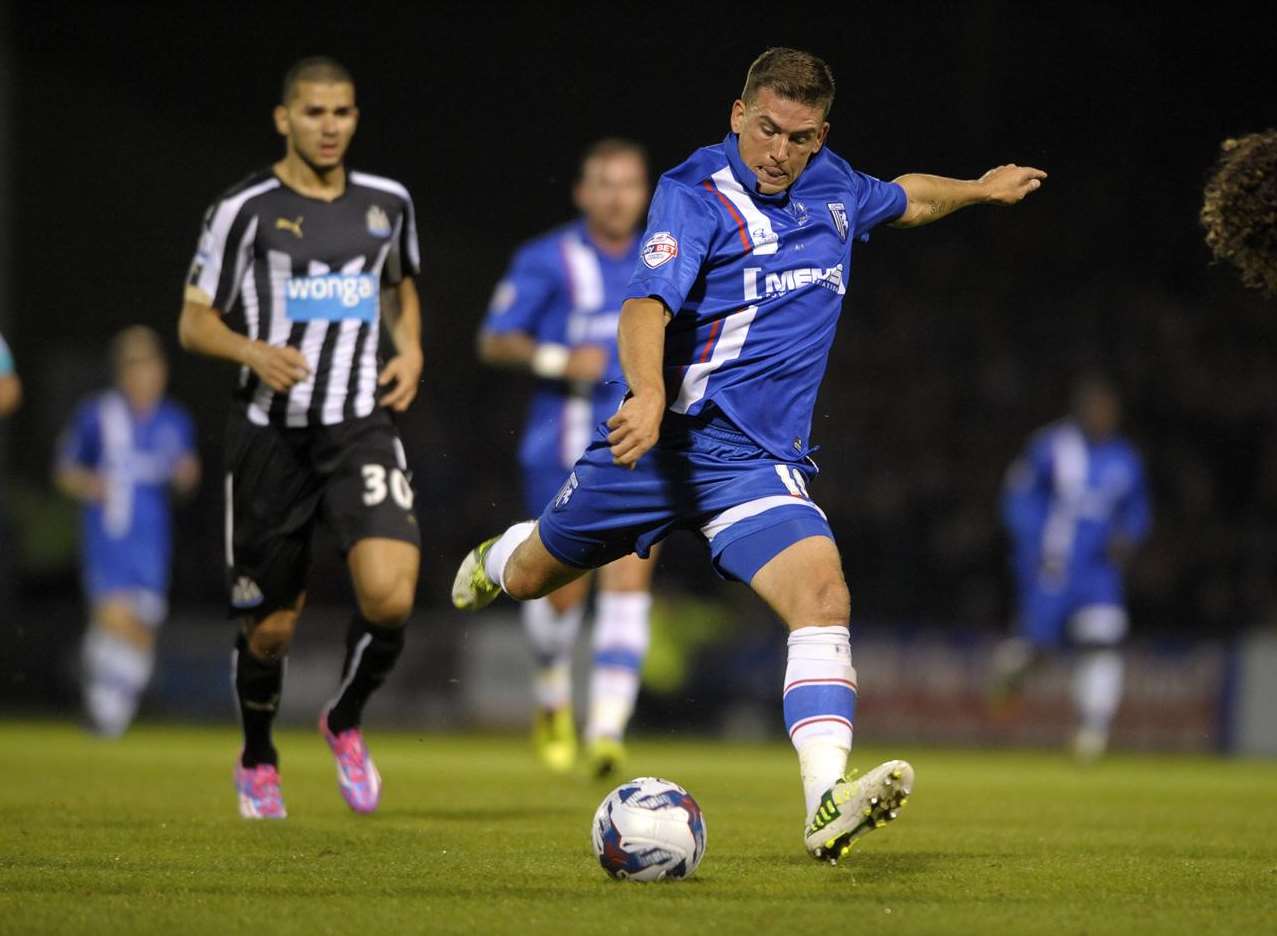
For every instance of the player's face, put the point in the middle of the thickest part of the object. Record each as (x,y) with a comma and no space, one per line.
(612,194)
(1099,412)
(142,376)
(777,138)
(319,122)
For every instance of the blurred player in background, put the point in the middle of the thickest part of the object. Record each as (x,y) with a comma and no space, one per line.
(10,400)
(1239,210)
(723,338)
(306,260)
(10,385)
(1076,507)
(123,455)
(555,314)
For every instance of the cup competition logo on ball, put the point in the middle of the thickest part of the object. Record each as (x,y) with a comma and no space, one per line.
(649,829)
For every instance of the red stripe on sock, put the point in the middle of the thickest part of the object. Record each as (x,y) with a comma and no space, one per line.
(822,718)
(828,682)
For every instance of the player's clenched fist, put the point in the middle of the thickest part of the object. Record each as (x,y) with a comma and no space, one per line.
(279,368)
(1007,185)
(635,428)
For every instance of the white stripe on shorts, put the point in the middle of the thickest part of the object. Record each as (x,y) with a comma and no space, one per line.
(752,509)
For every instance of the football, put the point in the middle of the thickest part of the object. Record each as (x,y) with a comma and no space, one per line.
(649,829)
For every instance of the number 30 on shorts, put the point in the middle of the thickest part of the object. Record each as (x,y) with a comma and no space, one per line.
(376,487)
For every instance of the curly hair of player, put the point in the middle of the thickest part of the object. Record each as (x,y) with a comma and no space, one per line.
(1239,210)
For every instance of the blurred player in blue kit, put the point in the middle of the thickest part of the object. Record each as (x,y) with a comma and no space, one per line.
(723,339)
(10,384)
(555,314)
(125,453)
(1076,506)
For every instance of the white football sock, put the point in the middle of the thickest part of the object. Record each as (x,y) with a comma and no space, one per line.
(1097,688)
(499,554)
(552,636)
(115,675)
(820,705)
(622,632)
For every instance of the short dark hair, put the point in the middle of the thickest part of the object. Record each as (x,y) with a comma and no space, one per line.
(793,74)
(319,68)
(131,339)
(1239,210)
(613,146)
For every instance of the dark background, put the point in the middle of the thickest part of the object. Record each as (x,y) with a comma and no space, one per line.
(958,340)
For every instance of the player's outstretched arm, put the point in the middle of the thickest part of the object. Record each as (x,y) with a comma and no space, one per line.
(402,373)
(202,331)
(934,197)
(640,341)
(516,350)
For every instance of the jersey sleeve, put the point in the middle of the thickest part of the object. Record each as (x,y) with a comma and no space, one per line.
(404,259)
(222,256)
(1135,513)
(680,229)
(80,445)
(6,359)
(877,202)
(1026,490)
(524,297)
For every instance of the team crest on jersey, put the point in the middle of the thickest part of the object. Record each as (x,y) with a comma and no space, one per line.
(565,493)
(378,222)
(838,211)
(659,249)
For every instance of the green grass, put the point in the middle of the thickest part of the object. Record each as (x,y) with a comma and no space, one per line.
(141,836)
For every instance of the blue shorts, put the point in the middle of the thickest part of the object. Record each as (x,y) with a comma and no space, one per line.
(1086,610)
(703,475)
(136,575)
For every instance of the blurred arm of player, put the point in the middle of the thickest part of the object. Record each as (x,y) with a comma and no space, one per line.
(401,307)
(10,394)
(640,341)
(79,483)
(934,197)
(517,350)
(201,330)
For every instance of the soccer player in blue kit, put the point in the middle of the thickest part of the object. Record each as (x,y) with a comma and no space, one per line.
(123,455)
(1076,506)
(555,313)
(10,384)
(724,338)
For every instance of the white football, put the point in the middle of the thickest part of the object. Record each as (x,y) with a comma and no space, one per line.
(648,829)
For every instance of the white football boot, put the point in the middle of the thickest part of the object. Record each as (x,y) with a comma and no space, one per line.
(855,806)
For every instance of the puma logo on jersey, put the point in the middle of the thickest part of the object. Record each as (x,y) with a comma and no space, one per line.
(283,224)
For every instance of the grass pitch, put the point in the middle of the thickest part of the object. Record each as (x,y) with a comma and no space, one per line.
(141,836)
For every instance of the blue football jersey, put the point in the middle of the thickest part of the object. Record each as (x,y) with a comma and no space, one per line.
(562,289)
(755,284)
(126,537)
(1065,499)
(6,359)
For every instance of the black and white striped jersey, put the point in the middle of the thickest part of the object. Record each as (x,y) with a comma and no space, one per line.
(293,270)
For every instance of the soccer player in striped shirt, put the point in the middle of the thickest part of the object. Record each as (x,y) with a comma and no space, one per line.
(723,338)
(554,314)
(296,269)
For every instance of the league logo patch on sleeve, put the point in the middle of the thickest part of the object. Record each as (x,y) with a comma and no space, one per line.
(838,211)
(659,249)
